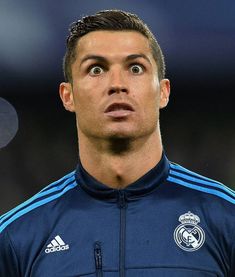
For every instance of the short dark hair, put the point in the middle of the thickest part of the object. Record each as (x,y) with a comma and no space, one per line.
(113,20)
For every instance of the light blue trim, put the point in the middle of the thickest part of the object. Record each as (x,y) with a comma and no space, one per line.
(179,167)
(36,205)
(195,179)
(71,174)
(67,179)
(207,190)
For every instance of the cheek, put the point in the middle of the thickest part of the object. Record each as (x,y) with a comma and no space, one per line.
(86,104)
(151,103)
(84,92)
(90,89)
(150,95)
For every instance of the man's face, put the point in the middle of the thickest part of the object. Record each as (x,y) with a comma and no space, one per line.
(115,91)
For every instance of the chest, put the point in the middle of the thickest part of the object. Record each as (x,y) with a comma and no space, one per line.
(137,239)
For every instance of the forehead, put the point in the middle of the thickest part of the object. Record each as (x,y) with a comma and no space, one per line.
(113,44)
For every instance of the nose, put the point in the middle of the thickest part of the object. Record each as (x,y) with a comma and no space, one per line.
(118,82)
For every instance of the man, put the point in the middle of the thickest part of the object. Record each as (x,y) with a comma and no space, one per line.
(126,210)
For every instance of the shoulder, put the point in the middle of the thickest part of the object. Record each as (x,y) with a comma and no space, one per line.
(39,201)
(189,179)
(207,198)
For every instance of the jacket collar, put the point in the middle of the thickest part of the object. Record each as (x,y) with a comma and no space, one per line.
(144,185)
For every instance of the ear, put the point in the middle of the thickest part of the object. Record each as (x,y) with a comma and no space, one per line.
(66,95)
(164,92)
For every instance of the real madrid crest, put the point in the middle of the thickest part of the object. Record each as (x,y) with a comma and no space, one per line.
(188,235)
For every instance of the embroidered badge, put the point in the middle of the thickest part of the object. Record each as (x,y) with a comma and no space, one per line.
(188,235)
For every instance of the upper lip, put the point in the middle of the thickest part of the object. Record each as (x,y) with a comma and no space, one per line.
(119,106)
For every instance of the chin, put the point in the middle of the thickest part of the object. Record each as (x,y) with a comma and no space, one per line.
(122,134)
(130,132)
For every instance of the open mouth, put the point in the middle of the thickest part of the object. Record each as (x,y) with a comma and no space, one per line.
(119,110)
(119,107)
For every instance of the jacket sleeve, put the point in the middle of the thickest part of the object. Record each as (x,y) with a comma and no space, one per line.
(232,269)
(8,259)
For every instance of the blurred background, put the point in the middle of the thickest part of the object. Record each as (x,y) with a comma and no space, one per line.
(198,126)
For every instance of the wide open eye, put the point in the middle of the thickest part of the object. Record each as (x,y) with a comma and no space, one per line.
(96,70)
(136,69)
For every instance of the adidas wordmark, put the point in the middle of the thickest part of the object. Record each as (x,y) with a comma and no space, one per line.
(57,244)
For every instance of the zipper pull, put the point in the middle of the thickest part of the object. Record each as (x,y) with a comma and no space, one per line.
(98,256)
(122,199)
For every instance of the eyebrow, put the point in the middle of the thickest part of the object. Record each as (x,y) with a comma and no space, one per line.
(104,60)
(93,57)
(136,56)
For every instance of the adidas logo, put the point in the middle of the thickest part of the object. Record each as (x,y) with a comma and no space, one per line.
(57,244)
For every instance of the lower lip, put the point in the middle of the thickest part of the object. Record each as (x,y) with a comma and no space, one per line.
(119,113)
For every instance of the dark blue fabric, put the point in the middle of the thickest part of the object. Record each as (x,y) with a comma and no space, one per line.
(134,229)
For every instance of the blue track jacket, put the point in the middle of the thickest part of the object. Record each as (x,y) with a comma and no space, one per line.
(171,222)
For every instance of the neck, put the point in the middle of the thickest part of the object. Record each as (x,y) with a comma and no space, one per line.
(120,162)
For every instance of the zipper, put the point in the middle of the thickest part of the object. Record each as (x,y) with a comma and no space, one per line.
(122,205)
(98,259)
